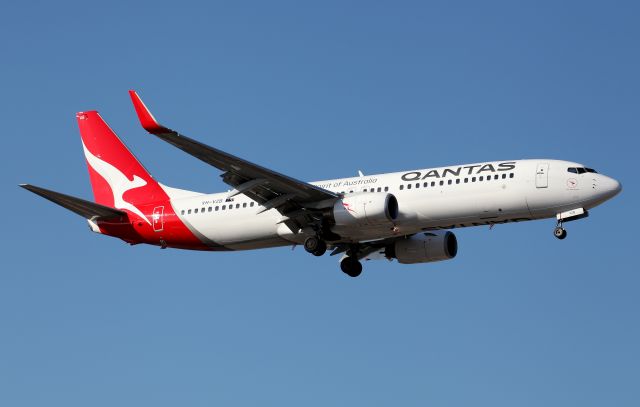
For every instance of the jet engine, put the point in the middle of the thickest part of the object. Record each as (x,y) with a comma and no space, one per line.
(424,248)
(366,209)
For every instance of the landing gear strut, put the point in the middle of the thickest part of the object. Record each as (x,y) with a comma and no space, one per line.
(351,266)
(559,231)
(315,246)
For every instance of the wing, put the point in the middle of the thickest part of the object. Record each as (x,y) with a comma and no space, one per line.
(86,209)
(295,199)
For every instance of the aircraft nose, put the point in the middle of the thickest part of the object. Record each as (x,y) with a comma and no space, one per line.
(610,186)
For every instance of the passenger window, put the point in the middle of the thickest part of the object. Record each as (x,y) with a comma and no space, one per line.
(433,183)
(511,175)
(473,179)
(481,178)
(210,209)
(449,182)
(251,204)
(417,185)
(195,210)
(244,205)
(386,189)
(182,212)
(401,187)
(409,186)
(230,206)
(379,189)
(217,208)
(189,212)
(504,176)
(441,183)
(457,180)
(224,207)
(426,184)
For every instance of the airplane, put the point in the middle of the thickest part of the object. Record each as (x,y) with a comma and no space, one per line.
(407,216)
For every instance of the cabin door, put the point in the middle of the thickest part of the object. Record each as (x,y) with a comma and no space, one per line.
(542,175)
(158,218)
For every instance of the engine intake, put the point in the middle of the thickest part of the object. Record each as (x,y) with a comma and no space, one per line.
(424,248)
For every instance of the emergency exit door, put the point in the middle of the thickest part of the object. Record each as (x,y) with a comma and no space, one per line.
(542,175)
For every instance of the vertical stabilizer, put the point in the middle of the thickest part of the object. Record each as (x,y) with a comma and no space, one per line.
(117,177)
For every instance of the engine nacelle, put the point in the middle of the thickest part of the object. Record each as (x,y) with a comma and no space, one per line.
(424,248)
(366,209)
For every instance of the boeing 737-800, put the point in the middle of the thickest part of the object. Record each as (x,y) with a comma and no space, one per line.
(405,215)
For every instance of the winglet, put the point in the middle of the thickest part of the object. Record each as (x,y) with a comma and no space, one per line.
(148,122)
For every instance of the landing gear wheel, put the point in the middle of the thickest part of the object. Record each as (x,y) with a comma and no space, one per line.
(560,232)
(312,244)
(322,248)
(351,266)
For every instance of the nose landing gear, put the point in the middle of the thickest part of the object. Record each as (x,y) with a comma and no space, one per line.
(568,216)
(559,231)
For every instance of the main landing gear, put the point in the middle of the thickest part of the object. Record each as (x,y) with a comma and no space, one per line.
(315,246)
(351,266)
(559,231)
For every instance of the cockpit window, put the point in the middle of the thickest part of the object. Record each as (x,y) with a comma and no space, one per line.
(581,170)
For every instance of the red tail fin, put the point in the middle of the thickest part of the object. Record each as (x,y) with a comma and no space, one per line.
(117,177)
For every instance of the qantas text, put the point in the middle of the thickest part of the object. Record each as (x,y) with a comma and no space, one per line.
(456,172)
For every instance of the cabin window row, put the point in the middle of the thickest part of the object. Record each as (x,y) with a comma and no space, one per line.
(467,180)
(379,189)
(216,208)
(480,178)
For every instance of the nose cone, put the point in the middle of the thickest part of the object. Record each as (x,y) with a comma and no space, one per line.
(610,187)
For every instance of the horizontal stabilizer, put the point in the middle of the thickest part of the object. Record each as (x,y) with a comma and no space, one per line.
(86,209)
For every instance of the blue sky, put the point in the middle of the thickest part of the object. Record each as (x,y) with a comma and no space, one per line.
(320,90)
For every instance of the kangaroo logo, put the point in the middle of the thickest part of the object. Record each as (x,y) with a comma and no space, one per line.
(118,182)
(348,207)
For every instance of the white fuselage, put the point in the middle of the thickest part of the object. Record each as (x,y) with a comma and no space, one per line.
(434,198)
